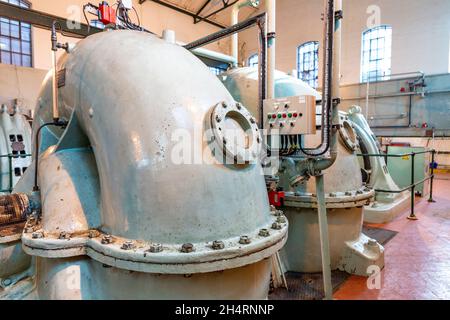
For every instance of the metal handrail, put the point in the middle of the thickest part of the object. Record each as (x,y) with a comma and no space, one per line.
(413,184)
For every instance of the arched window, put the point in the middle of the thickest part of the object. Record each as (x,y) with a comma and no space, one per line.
(376,54)
(15,38)
(308,63)
(253,60)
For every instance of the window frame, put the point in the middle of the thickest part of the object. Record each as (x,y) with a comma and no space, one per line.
(381,74)
(316,63)
(20,38)
(252,56)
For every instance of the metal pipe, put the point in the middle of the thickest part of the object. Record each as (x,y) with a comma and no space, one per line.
(412,216)
(55,87)
(430,199)
(262,69)
(324,241)
(331,76)
(271,46)
(234,20)
(225,32)
(234,37)
(260,21)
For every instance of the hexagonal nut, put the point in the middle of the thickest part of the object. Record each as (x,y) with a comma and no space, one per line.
(264,233)
(372,243)
(37,235)
(276,226)
(281,219)
(187,248)
(128,245)
(359,192)
(218,118)
(93,233)
(224,105)
(217,245)
(238,105)
(278,213)
(107,239)
(155,248)
(64,236)
(348,193)
(29,229)
(244,240)
(332,195)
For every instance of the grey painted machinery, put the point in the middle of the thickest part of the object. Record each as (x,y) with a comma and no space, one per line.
(15,147)
(345,194)
(114,215)
(386,206)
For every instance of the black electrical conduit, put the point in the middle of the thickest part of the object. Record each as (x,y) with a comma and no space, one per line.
(327,101)
(57,123)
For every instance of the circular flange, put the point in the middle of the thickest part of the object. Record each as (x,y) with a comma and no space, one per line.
(235,132)
(348,136)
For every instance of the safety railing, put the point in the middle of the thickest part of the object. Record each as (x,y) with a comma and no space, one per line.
(413,184)
(10,164)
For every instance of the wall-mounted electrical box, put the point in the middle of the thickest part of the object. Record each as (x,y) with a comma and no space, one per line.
(290,115)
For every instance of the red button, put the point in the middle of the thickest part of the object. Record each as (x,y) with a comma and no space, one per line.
(284,115)
(295,115)
(274,116)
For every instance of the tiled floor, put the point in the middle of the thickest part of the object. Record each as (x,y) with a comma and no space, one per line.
(417,259)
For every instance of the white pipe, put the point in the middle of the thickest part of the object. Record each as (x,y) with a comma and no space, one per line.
(214,55)
(170,36)
(234,37)
(271,28)
(234,20)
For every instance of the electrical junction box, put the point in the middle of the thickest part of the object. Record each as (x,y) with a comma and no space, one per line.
(290,115)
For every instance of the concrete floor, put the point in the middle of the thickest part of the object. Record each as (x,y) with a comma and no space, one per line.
(417,259)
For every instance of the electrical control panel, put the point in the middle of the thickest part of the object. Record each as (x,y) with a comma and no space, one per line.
(291,115)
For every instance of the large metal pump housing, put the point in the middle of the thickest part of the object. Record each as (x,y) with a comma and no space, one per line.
(122,213)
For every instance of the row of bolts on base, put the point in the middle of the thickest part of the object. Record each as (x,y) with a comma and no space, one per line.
(157,247)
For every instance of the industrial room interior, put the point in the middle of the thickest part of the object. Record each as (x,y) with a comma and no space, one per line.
(270,150)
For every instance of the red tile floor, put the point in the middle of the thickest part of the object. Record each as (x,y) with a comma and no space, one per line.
(417,259)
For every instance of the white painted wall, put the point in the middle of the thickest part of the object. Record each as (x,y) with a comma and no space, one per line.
(421,34)
(22,84)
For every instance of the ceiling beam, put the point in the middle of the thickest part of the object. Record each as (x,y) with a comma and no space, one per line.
(225,6)
(43,20)
(184,11)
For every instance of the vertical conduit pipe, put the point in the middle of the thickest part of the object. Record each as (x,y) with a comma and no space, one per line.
(271,45)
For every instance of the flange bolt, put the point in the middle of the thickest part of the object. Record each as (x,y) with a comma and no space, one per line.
(64,236)
(187,248)
(276,226)
(107,239)
(37,235)
(156,247)
(93,233)
(244,240)
(264,233)
(218,245)
(281,219)
(128,245)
